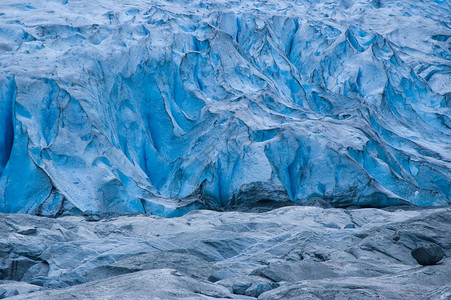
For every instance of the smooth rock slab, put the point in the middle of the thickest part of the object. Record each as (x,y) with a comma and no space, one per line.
(248,285)
(295,271)
(13,288)
(184,263)
(353,288)
(150,284)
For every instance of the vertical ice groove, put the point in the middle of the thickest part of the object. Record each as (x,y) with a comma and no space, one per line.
(7,99)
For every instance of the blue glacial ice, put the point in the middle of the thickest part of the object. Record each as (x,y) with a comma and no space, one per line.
(167,106)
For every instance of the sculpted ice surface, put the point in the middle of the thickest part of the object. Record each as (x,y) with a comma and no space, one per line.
(167,106)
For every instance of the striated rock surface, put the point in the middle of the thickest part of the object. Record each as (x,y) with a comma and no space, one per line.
(167,106)
(288,253)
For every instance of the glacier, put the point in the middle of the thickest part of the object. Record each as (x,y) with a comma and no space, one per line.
(163,107)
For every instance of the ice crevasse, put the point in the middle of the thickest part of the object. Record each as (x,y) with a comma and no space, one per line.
(163,107)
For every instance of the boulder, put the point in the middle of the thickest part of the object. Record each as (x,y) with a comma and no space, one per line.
(429,254)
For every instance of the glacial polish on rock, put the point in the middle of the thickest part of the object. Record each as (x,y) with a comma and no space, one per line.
(72,258)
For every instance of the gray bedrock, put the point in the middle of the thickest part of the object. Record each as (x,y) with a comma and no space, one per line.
(295,252)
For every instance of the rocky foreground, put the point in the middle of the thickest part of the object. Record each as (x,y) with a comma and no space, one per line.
(288,253)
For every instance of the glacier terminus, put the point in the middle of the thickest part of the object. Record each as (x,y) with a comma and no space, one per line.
(163,107)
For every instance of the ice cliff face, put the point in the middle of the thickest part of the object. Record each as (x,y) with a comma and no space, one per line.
(163,107)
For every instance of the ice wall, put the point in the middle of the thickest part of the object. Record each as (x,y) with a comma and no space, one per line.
(164,107)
